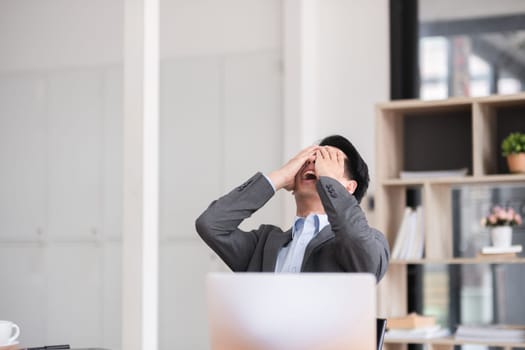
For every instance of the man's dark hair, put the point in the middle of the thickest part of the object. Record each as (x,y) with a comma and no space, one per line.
(355,166)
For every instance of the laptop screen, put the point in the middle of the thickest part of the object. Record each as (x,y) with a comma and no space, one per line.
(266,311)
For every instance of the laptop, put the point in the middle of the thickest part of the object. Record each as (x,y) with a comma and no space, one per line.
(267,311)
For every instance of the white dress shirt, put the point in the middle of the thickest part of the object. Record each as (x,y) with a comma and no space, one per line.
(290,258)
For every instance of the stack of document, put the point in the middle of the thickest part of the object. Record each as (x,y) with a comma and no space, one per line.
(414,326)
(491,250)
(491,333)
(417,333)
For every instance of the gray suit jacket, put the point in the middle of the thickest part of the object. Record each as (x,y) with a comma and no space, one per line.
(348,244)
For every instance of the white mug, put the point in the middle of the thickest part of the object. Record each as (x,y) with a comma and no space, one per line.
(6,332)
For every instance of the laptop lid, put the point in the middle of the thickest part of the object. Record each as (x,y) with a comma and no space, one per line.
(266,311)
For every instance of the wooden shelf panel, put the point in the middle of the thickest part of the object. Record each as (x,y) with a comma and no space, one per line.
(451,341)
(501,100)
(418,105)
(487,179)
(408,105)
(460,261)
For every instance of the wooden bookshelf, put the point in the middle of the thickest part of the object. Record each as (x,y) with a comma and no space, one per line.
(447,134)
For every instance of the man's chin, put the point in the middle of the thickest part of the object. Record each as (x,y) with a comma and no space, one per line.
(308,183)
(306,191)
(305,186)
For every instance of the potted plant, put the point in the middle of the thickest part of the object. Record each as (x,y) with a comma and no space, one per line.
(501,220)
(513,147)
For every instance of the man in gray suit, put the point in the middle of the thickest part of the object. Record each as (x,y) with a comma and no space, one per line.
(330,232)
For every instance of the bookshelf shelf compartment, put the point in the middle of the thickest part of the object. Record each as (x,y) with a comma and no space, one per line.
(496,119)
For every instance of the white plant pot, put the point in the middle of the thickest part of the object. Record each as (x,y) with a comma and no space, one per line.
(501,236)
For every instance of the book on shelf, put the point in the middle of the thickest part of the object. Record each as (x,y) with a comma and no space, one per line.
(418,243)
(501,250)
(433,174)
(401,232)
(410,321)
(492,332)
(410,238)
(417,333)
(414,326)
(497,255)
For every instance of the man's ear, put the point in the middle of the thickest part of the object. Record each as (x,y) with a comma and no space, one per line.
(351,186)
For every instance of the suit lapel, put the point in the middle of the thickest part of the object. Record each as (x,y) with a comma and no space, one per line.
(275,241)
(326,234)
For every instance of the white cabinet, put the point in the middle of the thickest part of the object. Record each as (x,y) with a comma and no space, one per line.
(74,154)
(61,155)
(191,146)
(23,301)
(111,288)
(218,115)
(23,172)
(182,313)
(112,153)
(73,295)
(253,124)
(60,193)
(61,190)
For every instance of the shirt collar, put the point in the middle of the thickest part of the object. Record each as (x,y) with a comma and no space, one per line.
(321,220)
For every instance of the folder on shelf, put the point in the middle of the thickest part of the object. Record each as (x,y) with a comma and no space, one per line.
(418,241)
(497,255)
(411,321)
(492,332)
(410,239)
(397,251)
(417,333)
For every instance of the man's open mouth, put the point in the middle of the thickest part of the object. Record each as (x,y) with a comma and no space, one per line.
(309,175)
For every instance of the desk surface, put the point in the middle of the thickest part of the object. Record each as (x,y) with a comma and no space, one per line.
(17,347)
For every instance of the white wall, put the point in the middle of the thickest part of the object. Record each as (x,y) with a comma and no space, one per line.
(211,27)
(61,128)
(38,35)
(220,123)
(221,120)
(60,208)
(353,69)
(336,69)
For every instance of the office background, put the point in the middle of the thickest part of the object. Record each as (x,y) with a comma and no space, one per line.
(244,84)
(223,112)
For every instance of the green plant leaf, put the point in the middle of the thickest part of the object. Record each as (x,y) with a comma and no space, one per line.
(513,143)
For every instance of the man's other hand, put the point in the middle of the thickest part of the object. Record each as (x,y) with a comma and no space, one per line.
(330,162)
